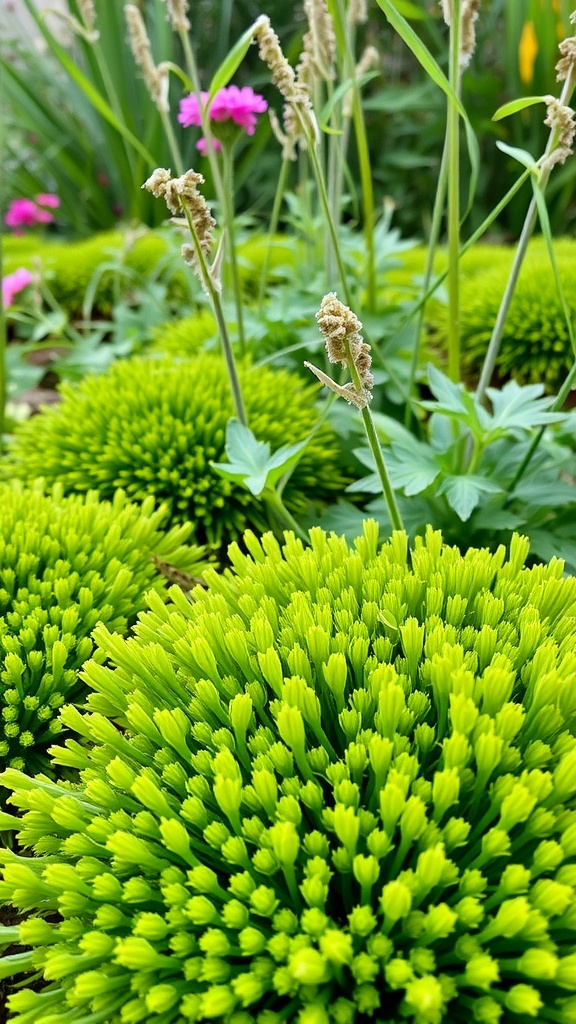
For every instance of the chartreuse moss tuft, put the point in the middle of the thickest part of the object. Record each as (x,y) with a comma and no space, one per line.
(341,788)
(185,337)
(155,426)
(67,564)
(70,267)
(536,341)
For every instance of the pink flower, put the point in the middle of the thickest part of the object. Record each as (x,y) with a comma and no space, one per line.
(48,199)
(230,104)
(22,213)
(25,213)
(202,145)
(14,283)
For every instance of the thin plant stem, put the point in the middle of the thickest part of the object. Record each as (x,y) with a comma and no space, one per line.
(555,407)
(346,34)
(473,238)
(228,217)
(527,230)
(437,213)
(325,203)
(216,302)
(375,447)
(210,151)
(393,510)
(272,229)
(276,505)
(172,143)
(453,145)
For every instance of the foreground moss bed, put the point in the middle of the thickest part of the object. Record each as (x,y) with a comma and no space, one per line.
(67,564)
(341,788)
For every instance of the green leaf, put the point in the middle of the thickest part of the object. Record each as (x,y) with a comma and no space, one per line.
(425,58)
(515,105)
(231,63)
(464,493)
(521,408)
(521,155)
(97,101)
(250,461)
(338,95)
(412,467)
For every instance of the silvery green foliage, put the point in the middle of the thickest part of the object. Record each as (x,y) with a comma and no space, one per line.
(341,788)
(67,564)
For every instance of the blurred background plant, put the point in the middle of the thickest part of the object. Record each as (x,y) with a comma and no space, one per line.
(79,120)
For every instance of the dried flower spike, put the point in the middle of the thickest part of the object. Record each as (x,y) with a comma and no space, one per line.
(156,78)
(561,119)
(299,119)
(177,11)
(345,345)
(181,195)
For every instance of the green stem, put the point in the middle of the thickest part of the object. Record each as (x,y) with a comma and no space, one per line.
(437,213)
(453,145)
(216,301)
(272,229)
(375,447)
(527,230)
(206,130)
(556,406)
(474,237)
(321,185)
(277,506)
(228,216)
(172,143)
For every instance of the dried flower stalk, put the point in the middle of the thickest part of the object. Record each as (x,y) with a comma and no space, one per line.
(345,345)
(156,78)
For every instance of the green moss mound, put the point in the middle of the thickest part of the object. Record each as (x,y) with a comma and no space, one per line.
(71,266)
(342,789)
(186,336)
(535,342)
(154,426)
(65,565)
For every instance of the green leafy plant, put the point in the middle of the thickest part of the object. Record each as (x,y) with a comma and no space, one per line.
(67,564)
(481,499)
(154,426)
(342,786)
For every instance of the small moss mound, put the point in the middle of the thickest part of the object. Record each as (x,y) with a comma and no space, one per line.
(154,427)
(535,343)
(343,789)
(71,266)
(65,565)
(184,337)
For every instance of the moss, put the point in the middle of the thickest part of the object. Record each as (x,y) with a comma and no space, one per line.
(535,344)
(65,565)
(70,267)
(153,427)
(185,337)
(342,789)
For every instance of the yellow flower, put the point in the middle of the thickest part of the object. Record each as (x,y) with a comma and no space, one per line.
(527,52)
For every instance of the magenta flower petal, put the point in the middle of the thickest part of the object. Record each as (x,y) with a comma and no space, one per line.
(48,199)
(22,213)
(229,104)
(190,110)
(14,283)
(202,146)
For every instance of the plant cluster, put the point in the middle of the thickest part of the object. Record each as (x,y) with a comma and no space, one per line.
(66,564)
(343,787)
(154,426)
